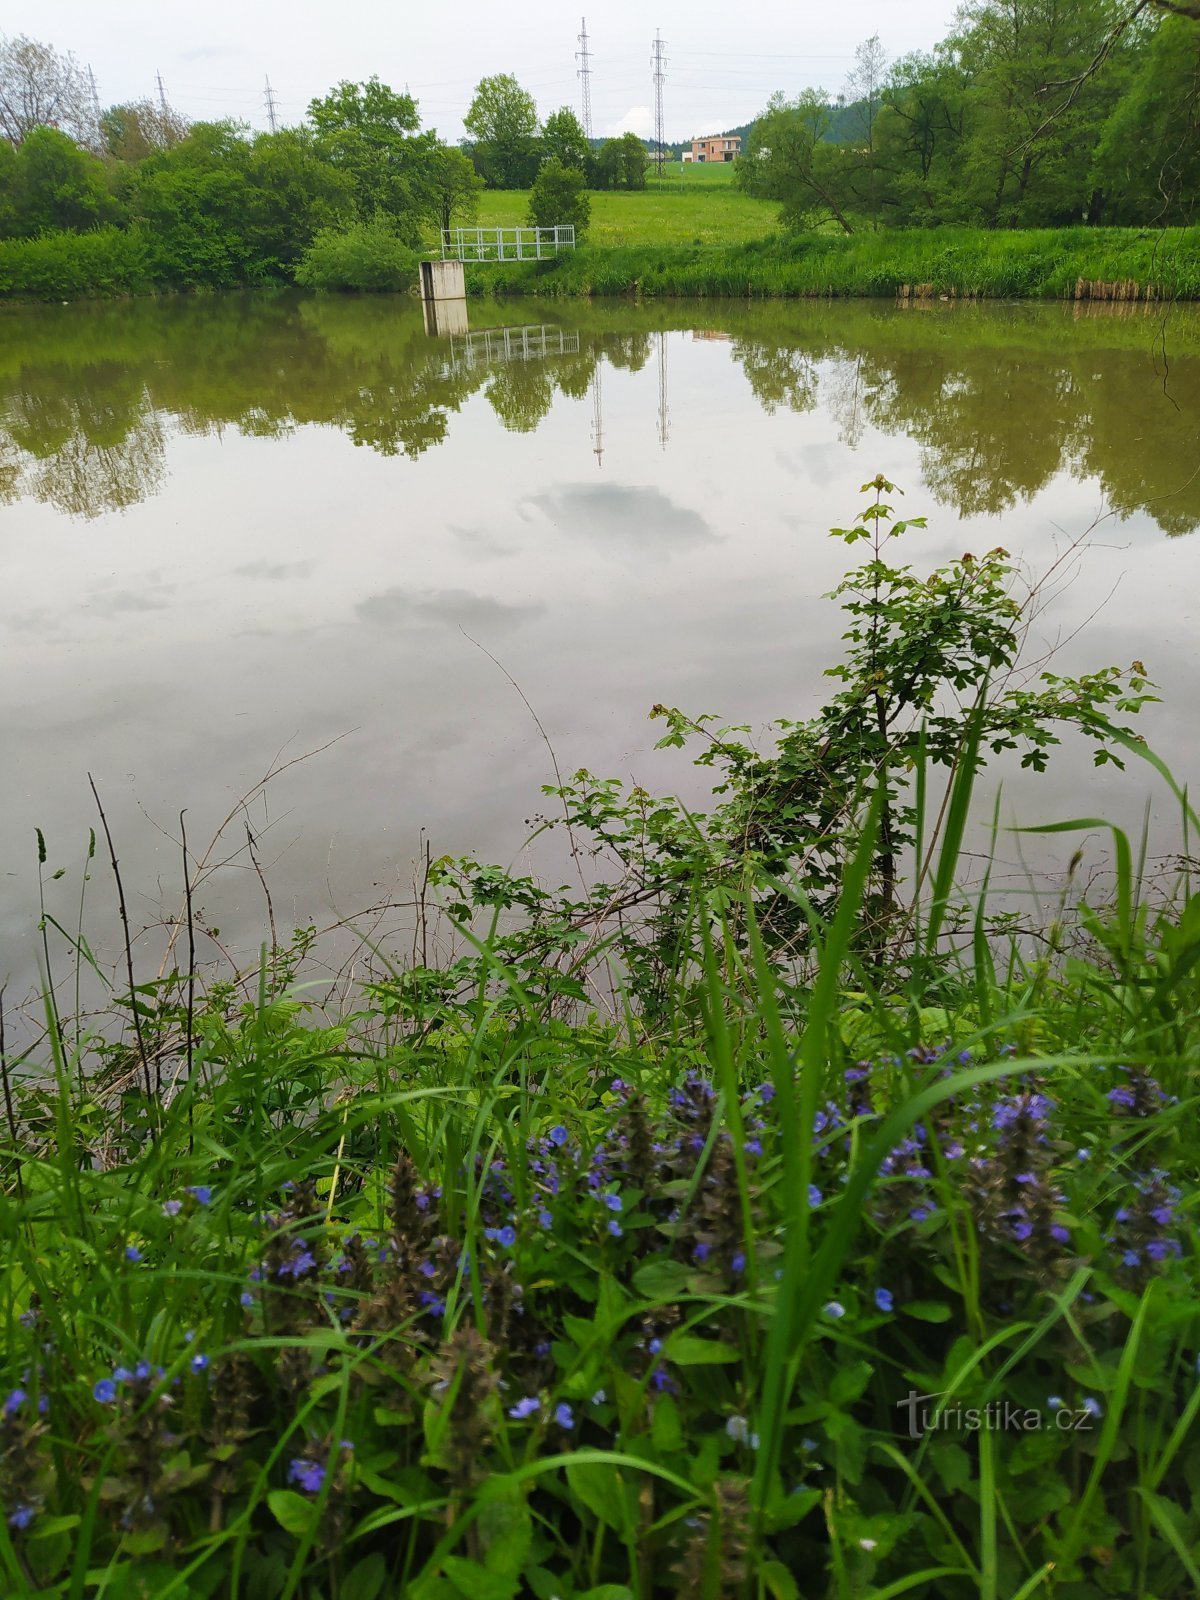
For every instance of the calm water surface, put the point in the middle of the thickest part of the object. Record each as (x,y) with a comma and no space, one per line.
(234,530)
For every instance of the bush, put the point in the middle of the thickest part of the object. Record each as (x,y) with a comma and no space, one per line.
(68,266)
(558,198)
(367,256)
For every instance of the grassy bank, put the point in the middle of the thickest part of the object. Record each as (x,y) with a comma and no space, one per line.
(667,213)
(1115,263)
(671,1241)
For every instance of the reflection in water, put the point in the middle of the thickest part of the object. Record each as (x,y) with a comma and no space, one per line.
(999,399)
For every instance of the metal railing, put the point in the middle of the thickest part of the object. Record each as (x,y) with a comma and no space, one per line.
(506,244)
(532,343)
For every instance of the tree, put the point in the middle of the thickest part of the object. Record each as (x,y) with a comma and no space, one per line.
(454,187)
(502,121)
(136,130)
(369,132)
(58,185)
(558,198)
(1148,159)
(918,140)
(619,164)
(864,89)
(563,137)
(1036,105)
(41,89)
(788,158)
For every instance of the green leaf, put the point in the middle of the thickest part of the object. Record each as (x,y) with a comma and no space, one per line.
(474,1582)
(778,1581)
(686,1350)
(47,1527)
(849,1382)
(364,1581)
(604,1491)
(292,1511)
(666,1433)
(661,1280)
(927,1310)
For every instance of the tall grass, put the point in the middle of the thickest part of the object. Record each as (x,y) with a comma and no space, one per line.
(518,1306)
(970,262)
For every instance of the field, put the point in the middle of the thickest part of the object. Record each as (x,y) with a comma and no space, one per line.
(680,212)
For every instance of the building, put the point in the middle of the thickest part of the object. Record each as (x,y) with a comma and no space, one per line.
(718,147)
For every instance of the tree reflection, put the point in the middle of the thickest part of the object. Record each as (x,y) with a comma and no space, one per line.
(999,399)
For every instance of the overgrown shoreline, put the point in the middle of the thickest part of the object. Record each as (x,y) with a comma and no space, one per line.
(1129,264)
(481,1281)
(1123,264)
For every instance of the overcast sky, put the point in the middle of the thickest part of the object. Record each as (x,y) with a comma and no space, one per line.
(723,60)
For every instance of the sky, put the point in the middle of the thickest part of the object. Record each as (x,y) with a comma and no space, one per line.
(723,61)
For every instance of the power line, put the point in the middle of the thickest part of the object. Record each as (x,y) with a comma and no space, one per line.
(659,62)
(269,99)
(584,56)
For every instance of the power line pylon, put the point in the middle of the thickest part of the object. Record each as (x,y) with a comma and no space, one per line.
(659,61)
(270,103)
(584,56)
(597,415)
(664,415)
(162,95)
(94,96)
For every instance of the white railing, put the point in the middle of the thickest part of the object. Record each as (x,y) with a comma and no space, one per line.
(506,244)
(531,343)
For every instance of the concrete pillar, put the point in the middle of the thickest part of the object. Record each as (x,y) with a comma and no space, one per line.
(443,280)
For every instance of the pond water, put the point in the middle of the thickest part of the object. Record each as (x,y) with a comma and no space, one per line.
(233,530)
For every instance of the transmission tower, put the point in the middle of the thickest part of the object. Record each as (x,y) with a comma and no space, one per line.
(94,97)
(270,103)
(584,56)
(664,415)
(597,416)
(162,96)
(659,61)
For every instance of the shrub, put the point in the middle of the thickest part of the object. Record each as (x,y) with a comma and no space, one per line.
(558,198)
(67,266)
(367,256)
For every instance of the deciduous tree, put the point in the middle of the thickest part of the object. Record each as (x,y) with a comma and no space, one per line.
(39,88)
(502,121)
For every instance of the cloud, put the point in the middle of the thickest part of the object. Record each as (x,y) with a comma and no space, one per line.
(638,119)
(450,607)
(275,570)
(643,517)
(124,600)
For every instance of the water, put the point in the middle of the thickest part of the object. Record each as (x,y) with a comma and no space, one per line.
(237,530)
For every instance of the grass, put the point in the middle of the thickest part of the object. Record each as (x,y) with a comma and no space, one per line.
(703,215)
(472,1286)
(971,262)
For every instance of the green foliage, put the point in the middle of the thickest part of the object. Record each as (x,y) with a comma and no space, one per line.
(367,256)
(1032,113)
(619,164)
(880,1274)
(68,266)
(454,187)
(558,198)
(50,184)
(368,132)
(563,138)
(502,122)
(1148,158)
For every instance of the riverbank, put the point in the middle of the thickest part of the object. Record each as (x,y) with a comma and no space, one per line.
(1103,264)
(1055,264)
(738,1215)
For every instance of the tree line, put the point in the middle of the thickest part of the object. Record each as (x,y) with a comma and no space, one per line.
(1031,113)
(345,198)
